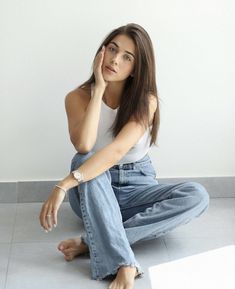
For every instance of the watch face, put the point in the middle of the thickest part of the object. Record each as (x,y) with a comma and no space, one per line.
(77,175)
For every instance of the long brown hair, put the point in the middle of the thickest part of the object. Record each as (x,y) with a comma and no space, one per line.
(134,101)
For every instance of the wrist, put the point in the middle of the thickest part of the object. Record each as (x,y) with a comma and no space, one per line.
(72,180)
(61,189)
(99,90)
(68,183)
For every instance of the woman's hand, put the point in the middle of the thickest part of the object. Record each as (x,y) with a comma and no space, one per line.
(48,215)
(100,83)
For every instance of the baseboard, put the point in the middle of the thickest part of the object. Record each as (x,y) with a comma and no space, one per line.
(38,191)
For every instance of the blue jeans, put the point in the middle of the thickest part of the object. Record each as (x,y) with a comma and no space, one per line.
(126,204)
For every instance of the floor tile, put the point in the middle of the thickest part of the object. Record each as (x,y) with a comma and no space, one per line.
(28,229)
(149,253)
(4,253)
(7,219)
(41,265)
(183,247)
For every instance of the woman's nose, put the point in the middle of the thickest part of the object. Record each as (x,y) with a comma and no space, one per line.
(114,60)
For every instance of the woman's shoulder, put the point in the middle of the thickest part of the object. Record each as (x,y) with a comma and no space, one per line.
(79,95)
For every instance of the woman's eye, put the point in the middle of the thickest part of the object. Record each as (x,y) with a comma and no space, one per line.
(112,49)
(127,57)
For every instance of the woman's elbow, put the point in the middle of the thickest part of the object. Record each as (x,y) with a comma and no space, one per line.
(81,147)
(82,150)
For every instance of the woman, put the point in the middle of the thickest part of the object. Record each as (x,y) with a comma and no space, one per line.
(113,119)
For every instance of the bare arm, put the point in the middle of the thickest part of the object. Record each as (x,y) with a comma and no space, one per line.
(83,119)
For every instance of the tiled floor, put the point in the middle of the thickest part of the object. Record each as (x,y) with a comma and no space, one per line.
(30,260)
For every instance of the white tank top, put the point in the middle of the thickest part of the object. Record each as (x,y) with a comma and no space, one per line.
(104,136)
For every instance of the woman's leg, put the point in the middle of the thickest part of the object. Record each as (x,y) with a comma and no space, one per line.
(78,245)
(182,204)
(105,235)
(149,209)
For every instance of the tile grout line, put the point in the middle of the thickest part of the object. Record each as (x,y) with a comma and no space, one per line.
(168,256)
(11,243)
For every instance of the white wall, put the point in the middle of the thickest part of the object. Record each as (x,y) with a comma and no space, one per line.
(46,50)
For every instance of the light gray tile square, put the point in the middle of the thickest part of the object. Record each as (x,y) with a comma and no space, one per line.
(28,228)
(183,247)
(41,265)
(149,253)
(4,253)
(7,220)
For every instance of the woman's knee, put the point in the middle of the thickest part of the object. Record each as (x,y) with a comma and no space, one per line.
(199,193)
(79,159)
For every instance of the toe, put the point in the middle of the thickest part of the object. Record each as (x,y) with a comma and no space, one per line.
(68,258)
(60,246)
(63,245)
(67,251)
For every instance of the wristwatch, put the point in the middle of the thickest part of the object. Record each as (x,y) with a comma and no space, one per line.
(78,176)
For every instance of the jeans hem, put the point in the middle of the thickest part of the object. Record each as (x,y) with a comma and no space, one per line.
(114,272)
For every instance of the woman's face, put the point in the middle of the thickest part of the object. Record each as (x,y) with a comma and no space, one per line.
(119,58)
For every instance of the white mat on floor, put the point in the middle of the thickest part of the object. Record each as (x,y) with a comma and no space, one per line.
(210,270)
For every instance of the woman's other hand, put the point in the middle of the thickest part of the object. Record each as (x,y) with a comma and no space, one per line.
(48,215)
(97,68)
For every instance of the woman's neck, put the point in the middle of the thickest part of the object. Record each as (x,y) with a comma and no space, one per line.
(112,94)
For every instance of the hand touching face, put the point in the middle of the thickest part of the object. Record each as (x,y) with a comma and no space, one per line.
(119,58)
(97,68)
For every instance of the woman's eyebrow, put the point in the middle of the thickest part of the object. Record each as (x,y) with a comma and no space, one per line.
(125,50)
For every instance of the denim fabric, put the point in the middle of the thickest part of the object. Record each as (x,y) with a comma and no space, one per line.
(126,204)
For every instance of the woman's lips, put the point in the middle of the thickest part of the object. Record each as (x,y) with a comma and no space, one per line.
(110,69)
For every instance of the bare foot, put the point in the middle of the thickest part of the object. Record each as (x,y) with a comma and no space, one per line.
(72,248)
(124,279)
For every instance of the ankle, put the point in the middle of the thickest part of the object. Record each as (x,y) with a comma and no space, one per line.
(129,269)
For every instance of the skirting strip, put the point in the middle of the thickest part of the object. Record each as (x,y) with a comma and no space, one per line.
(38,191)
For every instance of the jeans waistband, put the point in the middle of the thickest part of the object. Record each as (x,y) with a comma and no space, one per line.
(131,166)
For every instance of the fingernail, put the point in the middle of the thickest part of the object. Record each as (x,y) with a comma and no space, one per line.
(54,225)
(46,231)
